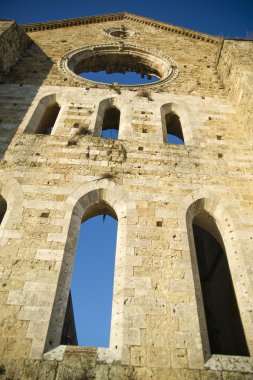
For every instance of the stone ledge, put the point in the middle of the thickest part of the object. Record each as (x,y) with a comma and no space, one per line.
(230,363)
(55,354)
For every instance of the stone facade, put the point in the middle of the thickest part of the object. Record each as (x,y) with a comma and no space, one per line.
(53,182)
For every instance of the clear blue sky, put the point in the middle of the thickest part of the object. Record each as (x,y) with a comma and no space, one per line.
(93,273)
(92,281)
(231,18)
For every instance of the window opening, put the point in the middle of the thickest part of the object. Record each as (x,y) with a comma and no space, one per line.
(118,59)
(174,129)
(110,126)
(3,208)
(92,283)
(224,326)
(126,78)
(48,119)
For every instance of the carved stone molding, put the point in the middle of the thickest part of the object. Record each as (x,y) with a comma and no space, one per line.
(119,57)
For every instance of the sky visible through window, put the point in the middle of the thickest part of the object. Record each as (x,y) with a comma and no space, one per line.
(92,280)
(112,134)
(226,18)
(124,79)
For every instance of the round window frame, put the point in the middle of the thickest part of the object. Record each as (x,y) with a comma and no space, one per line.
(68,62)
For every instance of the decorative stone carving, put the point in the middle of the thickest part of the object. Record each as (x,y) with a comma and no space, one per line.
(121,32)
(118,58)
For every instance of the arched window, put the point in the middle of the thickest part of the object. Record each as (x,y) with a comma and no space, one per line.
(223,321)
(110,126)
(108,200)
(88,316)
(3,208)
(174,129)
(48,119)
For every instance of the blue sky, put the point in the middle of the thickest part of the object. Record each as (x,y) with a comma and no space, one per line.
(229,18)
(94,266)
(92,281)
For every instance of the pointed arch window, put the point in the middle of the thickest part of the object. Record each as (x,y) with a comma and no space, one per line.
(96,201)
(3,208)
(223,322)
(174,129)
(48,119)
(86,319)
(90,303)
(110,125)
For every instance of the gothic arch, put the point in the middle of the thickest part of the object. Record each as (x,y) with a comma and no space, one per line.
(228,224)
(183,114)
(82,204)
(125,118)
(37,112)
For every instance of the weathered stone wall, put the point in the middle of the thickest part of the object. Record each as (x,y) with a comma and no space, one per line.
(13,41)
(13,105)
(236,72)
(83,363)
(197,75)
(50,181)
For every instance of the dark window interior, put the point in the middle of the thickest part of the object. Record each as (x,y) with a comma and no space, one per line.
(3,208)
(48,120)
(225,330)
(110,126)
(174,129)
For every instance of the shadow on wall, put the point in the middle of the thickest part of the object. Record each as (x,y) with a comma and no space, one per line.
(23,70)
(3,208)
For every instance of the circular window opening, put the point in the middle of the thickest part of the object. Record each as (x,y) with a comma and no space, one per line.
(102,63)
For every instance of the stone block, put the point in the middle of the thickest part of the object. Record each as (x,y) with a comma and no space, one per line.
(158,358)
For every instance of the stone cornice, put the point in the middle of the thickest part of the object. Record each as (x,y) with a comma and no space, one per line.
(40,26)
(172,28)
(116,17)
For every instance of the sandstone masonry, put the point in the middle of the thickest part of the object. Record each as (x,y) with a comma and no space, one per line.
(52,182)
